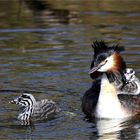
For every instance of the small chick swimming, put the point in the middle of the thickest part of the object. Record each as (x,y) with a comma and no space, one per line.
(35,110)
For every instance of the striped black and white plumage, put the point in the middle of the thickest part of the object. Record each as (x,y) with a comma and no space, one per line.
(35,110)
(132,85)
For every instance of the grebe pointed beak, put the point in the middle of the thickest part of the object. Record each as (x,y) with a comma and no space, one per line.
(96,68)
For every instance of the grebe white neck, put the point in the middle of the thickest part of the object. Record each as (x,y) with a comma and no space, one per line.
(108,105)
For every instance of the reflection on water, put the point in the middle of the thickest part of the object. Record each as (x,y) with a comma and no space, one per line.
(109,129)
(45,13)
(117,129)
(45,50)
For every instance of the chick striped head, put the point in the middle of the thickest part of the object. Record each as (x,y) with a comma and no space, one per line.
(27,101)
(24,100)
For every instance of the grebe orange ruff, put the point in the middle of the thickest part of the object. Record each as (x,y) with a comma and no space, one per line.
(102,100)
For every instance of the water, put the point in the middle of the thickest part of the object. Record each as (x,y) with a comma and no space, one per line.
(45,49)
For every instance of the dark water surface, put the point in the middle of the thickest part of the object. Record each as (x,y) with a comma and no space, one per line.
(45,50)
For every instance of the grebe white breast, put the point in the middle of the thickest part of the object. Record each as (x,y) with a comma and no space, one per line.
(35,110)
(110,66)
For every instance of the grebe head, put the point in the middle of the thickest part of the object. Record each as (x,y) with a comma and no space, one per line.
(24,100)
(107,59)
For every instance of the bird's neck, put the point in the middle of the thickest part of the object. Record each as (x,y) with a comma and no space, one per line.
(107,87)
(108,105)
(27,113)
(117,78)
(29,110)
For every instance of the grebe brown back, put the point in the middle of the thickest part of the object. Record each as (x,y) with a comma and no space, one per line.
(110,66)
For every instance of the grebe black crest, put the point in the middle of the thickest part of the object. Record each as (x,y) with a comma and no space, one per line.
(34,110)
(108,71)
(108,59)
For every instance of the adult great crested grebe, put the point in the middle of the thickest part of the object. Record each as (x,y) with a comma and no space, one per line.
(35,110)
(102,100)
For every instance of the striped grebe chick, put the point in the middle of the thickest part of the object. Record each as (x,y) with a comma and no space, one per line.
(110,66)
(132,85)
(35,110)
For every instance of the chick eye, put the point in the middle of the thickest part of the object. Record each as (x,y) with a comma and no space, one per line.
(131,71)
(19,99)
(106,60)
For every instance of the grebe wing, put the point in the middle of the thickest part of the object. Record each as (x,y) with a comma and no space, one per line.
(130,102)
(44,108)
(90,98)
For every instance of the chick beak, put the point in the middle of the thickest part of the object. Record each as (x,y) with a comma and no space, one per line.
(15,101)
